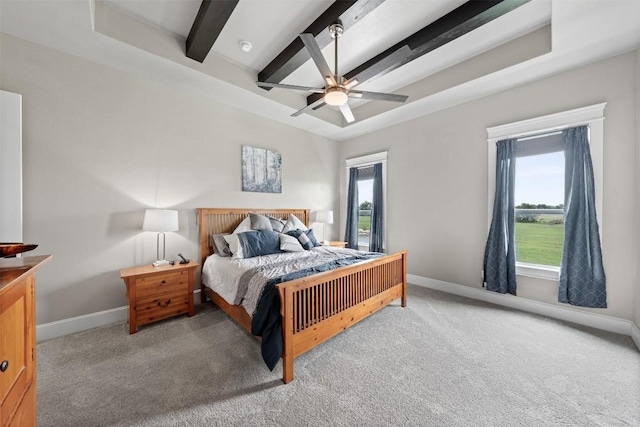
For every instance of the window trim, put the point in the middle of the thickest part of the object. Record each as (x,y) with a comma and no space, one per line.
(368,160)
(591,116)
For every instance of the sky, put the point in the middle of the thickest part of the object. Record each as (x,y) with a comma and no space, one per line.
(540,179)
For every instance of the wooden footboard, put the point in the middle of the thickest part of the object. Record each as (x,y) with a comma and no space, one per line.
(315,308)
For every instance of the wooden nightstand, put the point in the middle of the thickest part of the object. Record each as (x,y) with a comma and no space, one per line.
(155,293)
(336,243)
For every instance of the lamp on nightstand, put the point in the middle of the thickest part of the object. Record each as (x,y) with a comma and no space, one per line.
(160,221)
(324,218)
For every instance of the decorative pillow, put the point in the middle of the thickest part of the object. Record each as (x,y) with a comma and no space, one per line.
(260,222)
(276,224)
(234,247)
(311,237)
(293,223)
(258,242)
(290,243)
(302,238)
(220,246)
(245,225)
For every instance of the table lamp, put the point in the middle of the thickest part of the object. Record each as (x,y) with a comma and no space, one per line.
(160,221)
(324,218)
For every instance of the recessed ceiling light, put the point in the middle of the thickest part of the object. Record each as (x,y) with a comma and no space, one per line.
(245,46)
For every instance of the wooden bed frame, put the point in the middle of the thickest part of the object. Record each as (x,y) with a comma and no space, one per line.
(317,307)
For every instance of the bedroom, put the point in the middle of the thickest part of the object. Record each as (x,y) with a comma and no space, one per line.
(102,144)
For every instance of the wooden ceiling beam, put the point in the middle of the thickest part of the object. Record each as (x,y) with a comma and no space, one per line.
(456,23)
(294,55)
(211,19)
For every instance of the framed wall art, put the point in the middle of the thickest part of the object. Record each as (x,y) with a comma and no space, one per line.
(261,170)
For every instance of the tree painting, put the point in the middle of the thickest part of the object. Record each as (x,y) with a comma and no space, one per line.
(261,170)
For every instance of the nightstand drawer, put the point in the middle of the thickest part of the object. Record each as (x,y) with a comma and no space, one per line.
(152,309)
(154,285)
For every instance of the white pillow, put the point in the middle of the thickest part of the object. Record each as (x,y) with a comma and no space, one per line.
(234,246)
(293,223)
(290,243)
(245,225)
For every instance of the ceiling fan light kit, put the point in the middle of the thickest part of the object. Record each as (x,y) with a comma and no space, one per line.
(336,91)
(335,96)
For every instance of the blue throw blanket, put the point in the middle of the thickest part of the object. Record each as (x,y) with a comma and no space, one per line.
(267,322)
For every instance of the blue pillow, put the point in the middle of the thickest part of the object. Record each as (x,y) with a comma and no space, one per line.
(311,237)
(259,242)
(302,238)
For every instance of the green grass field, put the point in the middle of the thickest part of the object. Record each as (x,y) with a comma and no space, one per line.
(539,243)
(364,223)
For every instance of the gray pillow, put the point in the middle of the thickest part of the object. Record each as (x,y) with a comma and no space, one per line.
(276,223)
(220,245)
(260,222)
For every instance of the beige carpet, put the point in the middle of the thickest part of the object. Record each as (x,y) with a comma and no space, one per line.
(442,361)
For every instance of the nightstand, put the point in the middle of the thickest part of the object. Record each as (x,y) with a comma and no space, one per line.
(155,293)
(335,243)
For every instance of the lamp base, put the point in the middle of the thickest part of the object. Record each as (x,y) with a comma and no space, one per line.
(160,263)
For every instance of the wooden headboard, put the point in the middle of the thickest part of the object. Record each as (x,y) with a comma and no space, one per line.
(221,220)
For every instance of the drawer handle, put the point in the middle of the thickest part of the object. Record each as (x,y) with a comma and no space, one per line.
(166,304)
(164,282)
(4,365)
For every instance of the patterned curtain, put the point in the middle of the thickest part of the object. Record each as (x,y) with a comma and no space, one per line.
(377,233)
(582,279)
(500,252)
(353,210)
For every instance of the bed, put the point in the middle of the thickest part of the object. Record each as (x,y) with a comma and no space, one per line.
(316,307)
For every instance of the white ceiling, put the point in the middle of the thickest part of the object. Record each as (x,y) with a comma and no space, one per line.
(146,37)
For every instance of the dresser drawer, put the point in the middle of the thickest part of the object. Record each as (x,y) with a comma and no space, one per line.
(160,307)
(159,284)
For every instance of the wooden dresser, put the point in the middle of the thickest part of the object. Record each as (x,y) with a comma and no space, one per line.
(18,340)
(155,293)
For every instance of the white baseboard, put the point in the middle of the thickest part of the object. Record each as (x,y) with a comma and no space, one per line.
(47,331)
(635,334)
(594,320)
(56,329)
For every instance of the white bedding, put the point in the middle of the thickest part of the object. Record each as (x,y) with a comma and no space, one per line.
(222,274)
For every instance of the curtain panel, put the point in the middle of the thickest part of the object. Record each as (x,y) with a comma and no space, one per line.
(582,278)
(353,210)
(500,251)
(377,233)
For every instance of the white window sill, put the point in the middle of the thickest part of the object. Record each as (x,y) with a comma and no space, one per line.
(538,271)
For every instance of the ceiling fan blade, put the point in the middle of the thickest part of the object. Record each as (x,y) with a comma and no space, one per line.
(313,105)
(294,87)
(377,96)
(346,112)
(316,54)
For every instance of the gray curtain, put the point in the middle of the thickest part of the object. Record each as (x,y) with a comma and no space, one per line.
(582,279)
(353,210)
(500,252)
(377,233)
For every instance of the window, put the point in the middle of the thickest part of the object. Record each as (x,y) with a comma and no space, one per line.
(365,193)
(539,186)
(365,198)
(539,200)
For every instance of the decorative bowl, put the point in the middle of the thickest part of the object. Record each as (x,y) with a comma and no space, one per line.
(10,249)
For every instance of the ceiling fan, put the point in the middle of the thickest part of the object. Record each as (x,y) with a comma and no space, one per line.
(336,91)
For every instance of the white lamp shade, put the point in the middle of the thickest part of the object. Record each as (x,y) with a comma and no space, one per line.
(160,220)
(324,217)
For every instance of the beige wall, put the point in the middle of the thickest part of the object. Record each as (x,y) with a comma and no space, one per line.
(437,178)
(101,145)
